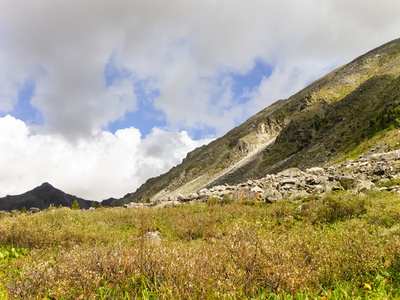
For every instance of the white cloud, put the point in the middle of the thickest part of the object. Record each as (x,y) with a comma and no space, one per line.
(182,46)
(105,165)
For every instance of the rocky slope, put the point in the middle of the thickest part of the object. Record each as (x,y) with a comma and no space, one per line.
(41,197)
(345,112)
(371,171)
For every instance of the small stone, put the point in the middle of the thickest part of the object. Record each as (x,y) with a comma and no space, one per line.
(153,236)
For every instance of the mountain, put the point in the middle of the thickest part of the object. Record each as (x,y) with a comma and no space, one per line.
(344,114)
(41,197)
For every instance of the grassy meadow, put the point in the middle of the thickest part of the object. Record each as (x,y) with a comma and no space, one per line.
(340,246)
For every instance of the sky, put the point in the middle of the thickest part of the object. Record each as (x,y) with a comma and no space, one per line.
(98,96)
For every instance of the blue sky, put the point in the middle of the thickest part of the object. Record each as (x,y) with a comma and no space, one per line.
(98,96)
(23,109)
(145,116)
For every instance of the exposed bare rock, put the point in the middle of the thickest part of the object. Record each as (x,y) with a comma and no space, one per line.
(291,172)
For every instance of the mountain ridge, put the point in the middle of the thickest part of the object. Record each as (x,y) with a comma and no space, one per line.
(314,127)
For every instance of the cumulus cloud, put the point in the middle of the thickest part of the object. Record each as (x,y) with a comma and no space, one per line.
(105,165)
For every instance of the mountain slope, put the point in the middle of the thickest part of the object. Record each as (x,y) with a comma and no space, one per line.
(41,197)
(336,114)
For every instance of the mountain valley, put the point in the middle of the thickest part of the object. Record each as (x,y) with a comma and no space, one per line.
(353,110)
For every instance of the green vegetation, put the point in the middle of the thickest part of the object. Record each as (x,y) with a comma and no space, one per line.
(340,246)
(337,93)
(390,182)
(75,205)
(387,140)
(190,168)
(387,119)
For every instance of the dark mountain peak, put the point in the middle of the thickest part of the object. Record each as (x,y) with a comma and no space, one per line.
(42,197)
(44,186)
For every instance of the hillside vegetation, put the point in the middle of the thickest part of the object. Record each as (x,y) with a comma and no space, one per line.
(334,116)
(339,246)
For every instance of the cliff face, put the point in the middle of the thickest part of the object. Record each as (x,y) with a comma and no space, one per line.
(346,112)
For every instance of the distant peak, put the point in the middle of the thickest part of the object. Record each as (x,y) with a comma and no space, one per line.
(46,184)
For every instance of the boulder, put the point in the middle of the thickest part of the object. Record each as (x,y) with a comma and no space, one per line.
(202,198)
(318,189)
(219,188)
(180,197)
(291,172)
(191,196)
(257,189)
(315,170)
(312,180)
(245,193)
(290,181)
(286,187)
(271,195)
(34,210)
(363,186)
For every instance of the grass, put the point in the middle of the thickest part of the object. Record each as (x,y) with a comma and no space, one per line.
(390,182)
(388,137)
(340,246)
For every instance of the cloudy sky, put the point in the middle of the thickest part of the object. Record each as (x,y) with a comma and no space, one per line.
(97,96)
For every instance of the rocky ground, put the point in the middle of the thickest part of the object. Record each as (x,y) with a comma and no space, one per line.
(369,171)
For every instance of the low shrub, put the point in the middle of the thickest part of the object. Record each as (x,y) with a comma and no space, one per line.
(336,207)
